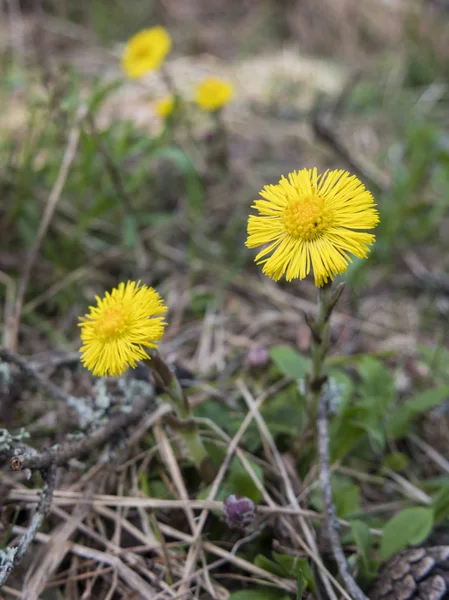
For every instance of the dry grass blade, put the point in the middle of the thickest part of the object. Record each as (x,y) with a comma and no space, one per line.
(12,327)
(311,549)
(55,552)
(130,577)
(233,445)
(245,565)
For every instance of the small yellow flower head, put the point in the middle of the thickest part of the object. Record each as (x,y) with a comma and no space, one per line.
(212,94)
(117,330)
(146,51)
(312,221)
(164,108)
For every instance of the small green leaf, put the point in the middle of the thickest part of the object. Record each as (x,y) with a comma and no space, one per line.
(396,461)
(400,420)
(303,570)
(364,541)
(290,363)
(440,504)
(265,563)
(239,481)
(347,500)
(285,412)
(411,526)
(299,566)
(344,435)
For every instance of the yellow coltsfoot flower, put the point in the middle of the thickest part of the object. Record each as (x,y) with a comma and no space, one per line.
(146,51)
(312,222)
(116,332)
(164,107)
(212,94)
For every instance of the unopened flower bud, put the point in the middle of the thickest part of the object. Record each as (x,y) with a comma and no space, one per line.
(239,511)
(257,357)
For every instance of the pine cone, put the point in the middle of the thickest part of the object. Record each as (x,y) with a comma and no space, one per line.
(419,574)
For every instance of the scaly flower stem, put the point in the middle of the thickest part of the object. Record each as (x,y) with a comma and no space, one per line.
(184,424)
(328,296)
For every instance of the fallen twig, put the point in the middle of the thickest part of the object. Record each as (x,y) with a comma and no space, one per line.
(31,373)
(11,556)
(60,456)
(331,518)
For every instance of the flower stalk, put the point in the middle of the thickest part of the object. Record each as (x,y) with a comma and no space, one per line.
(317,400)
(183,422)
(328,296)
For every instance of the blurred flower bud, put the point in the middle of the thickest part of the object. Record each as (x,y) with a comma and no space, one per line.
(239,511)
(257,357)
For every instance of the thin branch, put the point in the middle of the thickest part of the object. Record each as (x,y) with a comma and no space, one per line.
(331,518)
(31,373)
(11,556)
(60,456)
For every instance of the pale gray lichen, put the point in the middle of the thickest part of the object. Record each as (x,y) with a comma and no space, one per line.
(85,412)
(332,390)
(7,557)
(8,440)
(131,389)
(109,397)
(334,395)
(102,398)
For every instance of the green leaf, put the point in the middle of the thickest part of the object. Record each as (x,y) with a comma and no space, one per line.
(259,594)
(347,500)
(400,420)
(411,526)
(289,362)
(265,563)
(285,412)
(343,436)
(440,504)
(303,570)
(364,541)
(396,461)
(239,481)
(377,381)
(437,359)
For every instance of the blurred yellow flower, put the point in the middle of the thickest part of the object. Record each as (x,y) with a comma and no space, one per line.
(312,221)
(212,94)
(146,51)
(164,108)
(117,330)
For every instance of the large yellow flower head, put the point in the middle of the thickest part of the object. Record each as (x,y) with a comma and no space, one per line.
(312,221)
(212,94)
(146,51)
(117,330)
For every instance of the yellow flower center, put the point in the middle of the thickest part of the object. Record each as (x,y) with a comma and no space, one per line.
(142,52)
(113,323)
(306,217)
